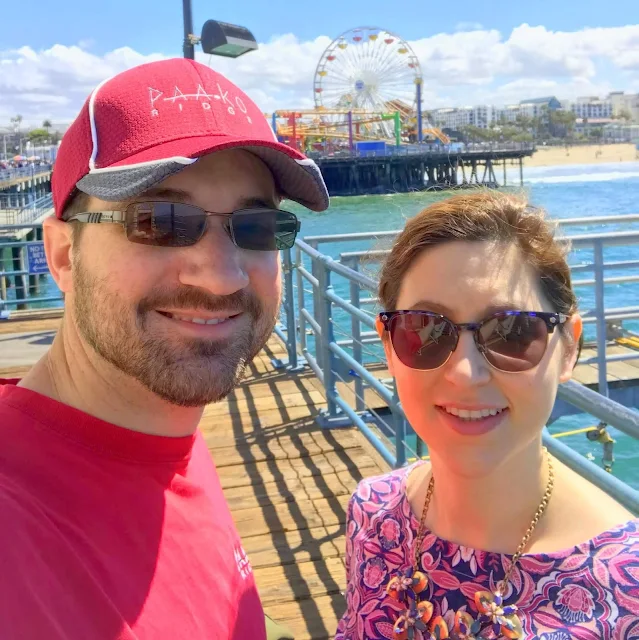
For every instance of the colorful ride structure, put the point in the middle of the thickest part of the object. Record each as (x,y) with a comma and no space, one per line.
(367,87)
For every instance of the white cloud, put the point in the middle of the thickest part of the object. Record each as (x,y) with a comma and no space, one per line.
(472,65)
(468,26)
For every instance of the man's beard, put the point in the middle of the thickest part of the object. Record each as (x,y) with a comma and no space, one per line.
(184,371)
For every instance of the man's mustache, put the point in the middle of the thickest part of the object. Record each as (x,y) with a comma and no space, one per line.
(192,298)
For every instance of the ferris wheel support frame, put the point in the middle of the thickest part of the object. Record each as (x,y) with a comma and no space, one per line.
(420,132)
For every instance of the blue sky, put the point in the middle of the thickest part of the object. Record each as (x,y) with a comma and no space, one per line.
(480,52)
(150,27)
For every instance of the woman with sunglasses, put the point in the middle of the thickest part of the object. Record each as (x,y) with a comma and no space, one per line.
(491,537)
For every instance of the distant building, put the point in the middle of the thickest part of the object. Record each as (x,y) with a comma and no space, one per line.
(590,107)
(456,118)
(586,125)
(550,103)
(586,108)
(625,104)
(534,108)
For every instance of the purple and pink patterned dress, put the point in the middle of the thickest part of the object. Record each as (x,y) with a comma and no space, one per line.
(587,592)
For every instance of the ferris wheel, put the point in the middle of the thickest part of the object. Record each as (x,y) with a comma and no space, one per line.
(368,71)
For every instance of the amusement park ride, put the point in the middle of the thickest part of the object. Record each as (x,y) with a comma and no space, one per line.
(367,87)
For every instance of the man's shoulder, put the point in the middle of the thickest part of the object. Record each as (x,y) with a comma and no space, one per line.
(19,510)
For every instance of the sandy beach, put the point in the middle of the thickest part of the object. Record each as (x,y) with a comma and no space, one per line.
(586,154)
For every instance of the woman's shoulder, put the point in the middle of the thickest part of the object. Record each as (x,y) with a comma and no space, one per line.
(382,496)
(624,537)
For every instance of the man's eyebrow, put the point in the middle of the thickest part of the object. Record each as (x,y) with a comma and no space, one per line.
(163,193)
(258,202)
(177,195)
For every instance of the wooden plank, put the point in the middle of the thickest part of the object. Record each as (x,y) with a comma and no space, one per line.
(256,428)
(285,384)
(253,405)
(270,420)
(271,471)
(621,371)
(290,516)
(14,372)
(290,547)
(308,619)
(272,493)
(280,448)
(586,374)
(618,350)
(300,581)
(29,326)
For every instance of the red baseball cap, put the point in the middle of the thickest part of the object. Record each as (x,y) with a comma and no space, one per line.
(150,122)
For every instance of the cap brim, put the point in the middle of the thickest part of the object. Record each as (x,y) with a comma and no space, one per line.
(298,178)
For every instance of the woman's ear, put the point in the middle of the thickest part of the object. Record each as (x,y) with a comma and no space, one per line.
(386,343)
(574,327)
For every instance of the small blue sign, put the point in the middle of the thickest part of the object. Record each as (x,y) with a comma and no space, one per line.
(37,259)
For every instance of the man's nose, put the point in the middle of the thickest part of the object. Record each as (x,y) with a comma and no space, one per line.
(214,263)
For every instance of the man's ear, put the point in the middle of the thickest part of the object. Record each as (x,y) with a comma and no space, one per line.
(58,247)
(574,327)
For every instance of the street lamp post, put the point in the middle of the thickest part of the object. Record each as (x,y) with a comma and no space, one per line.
(218,38)
(189,48)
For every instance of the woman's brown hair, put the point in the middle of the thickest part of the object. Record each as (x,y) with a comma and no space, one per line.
(484,216)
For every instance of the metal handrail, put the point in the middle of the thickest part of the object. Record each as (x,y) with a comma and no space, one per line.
(331,359)
(24,172)
(379,235)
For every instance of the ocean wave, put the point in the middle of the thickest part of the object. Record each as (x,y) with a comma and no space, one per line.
(560,174)
(582,177)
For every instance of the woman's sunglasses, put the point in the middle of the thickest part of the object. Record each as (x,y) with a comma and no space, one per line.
(511,341)
(171,224)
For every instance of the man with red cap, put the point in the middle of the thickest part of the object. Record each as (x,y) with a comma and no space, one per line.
(167,191)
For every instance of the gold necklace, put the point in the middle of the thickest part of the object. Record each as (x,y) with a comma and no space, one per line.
(417,621)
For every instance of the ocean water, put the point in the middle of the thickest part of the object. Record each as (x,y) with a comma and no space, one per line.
(565,192)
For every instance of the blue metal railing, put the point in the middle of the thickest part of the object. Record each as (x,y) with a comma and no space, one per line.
(23,172)
(310,337)
(11,218)
(427,148)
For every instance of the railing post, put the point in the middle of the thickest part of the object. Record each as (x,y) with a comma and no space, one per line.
(356,330)
(300,300)
(400,431)
(291,342)
(328,336)
(316,269)
(600,312)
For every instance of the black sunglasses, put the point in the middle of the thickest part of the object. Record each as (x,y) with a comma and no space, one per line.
(175,224)
(511,341)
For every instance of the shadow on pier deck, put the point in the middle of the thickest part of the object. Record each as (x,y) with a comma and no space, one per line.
(286,480)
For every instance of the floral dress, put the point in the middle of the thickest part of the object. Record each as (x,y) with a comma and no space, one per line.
(587,592)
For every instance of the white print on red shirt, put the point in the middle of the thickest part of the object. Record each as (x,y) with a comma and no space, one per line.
(243,563)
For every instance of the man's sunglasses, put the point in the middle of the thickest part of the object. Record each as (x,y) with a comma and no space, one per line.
(511,341)
(171,224)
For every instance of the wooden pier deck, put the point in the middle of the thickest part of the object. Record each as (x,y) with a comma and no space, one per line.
(286,480)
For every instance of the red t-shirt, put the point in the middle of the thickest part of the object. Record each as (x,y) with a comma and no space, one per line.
(107,533)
